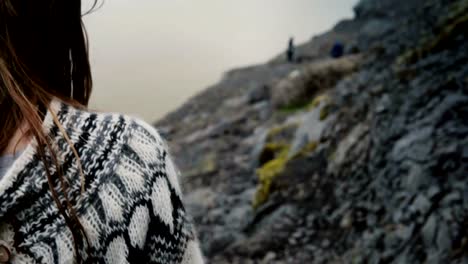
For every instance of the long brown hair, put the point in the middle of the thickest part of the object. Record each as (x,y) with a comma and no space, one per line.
(43,55)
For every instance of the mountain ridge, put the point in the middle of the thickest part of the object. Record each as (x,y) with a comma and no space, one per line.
(360,159)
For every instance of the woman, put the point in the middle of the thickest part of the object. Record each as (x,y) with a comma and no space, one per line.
(77,186)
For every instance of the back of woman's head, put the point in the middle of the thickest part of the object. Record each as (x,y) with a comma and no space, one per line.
(43,47)
(43,55)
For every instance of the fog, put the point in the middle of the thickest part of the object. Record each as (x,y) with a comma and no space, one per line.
(148,57)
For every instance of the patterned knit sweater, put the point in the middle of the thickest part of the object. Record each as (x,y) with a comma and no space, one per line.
(131,209)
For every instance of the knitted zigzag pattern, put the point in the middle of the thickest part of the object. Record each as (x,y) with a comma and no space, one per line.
(131,209)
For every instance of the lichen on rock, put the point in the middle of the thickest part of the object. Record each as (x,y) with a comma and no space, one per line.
(319,100)
(324,112)
(269,171)
(275,167)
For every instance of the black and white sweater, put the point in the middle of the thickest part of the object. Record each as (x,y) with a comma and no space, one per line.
(131,209)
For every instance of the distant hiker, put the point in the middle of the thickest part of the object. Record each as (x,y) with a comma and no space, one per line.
(291,50)
(337,50)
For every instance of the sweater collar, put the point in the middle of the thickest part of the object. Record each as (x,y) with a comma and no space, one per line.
(25,176)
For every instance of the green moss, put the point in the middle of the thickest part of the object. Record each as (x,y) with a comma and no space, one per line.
(271,151)
(274,156)
(273,168)
(318,100)
(276,147)
(292,108)
(269,171)
(306,105)
(324,112)
(324,101)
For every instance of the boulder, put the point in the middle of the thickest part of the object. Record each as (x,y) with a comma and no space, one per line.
(301,86)
(312,125)
(257,94)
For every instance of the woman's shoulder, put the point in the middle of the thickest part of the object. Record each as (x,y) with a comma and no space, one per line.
(103,124)
(131,184)
(114,145)
(101,129)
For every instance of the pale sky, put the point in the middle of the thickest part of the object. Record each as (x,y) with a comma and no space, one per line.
(149,56)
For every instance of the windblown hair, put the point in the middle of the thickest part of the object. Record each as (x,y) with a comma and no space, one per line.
(43,55)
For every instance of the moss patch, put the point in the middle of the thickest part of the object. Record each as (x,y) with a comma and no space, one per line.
(324,112)
(271,152)
(324,101)
(318,101)
(306,105)
(269,171)
(293,108)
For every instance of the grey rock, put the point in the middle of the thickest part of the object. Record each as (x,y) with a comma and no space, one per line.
(404,232)
(269,257)
(214,130)
(326,243)
(433,191)
(421,204)
(257,94)
(204,197)
(465,153)
(259,140)
(264,109)
(416,144)
(443,240)
(280,215)
(383,104)
(310,130)
(219,241)
(429,231)
(292,241)
(239,217)
(417,178)
(434,257)
(451,198)
(375,28)
(302,84)
(353,138)
(347,221)
(236,102)
(371,220)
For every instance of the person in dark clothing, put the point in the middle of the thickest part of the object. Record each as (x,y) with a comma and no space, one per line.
(337,50)
(290,52)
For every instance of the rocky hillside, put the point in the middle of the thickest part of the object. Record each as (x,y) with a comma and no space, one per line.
(361,159)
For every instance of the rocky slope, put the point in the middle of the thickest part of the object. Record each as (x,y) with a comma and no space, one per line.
(363,159)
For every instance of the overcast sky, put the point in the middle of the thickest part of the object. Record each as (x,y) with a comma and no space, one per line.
(149,56)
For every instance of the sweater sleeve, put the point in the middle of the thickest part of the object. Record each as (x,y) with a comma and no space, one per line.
(170,235)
